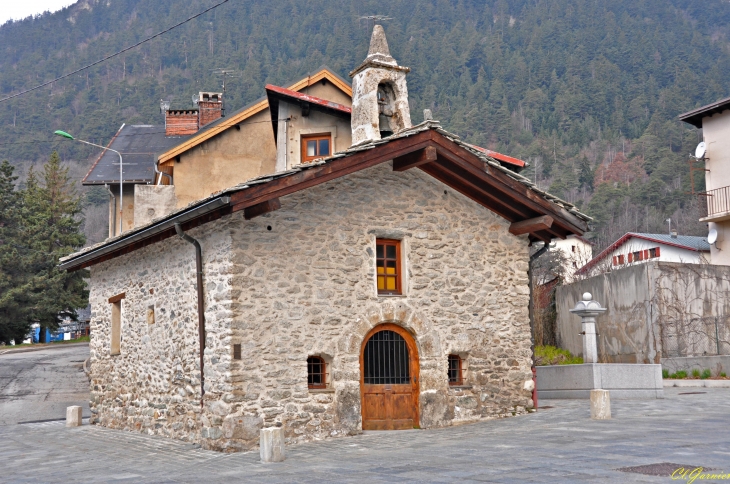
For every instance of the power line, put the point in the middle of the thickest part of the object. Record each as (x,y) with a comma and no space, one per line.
(114,54)
(149,133)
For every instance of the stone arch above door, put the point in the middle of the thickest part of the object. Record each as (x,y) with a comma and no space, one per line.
(426,337)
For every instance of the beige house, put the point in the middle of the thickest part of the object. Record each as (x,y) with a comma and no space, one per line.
(381,285)
(714,120)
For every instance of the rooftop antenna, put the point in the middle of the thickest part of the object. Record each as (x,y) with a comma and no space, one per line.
(225,73)
(374,19)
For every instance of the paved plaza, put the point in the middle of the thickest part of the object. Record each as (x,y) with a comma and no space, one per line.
(559,444)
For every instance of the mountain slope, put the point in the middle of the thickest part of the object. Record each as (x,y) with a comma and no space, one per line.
(587,92)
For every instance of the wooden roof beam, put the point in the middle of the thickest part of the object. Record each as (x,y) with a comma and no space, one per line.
(531,225)
(261,208)
(417,158)
(509,186)
(470,190)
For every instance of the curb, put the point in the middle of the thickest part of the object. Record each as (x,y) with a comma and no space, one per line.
(697,383)
(41,347)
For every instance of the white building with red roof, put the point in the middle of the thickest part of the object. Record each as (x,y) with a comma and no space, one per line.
(637,248)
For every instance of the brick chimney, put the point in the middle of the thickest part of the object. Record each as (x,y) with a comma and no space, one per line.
(210,107)
(182,122)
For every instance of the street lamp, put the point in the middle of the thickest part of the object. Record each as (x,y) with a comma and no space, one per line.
(64,134)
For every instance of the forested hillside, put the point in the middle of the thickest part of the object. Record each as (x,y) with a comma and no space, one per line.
(587,92)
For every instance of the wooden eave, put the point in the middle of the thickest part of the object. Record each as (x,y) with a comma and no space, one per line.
(453,165)
(166,159)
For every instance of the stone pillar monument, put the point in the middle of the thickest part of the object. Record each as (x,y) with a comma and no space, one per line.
(588,309)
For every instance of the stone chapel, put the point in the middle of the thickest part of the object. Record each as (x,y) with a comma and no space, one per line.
(382,285)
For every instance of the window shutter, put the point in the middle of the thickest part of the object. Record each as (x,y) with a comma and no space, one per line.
(631,257)
(657,252)
(646,254)
(615,260)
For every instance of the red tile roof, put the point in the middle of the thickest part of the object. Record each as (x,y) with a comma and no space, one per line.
(500,157)
(307,98)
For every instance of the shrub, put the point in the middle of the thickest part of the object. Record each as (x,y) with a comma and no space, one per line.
(550,355)
(705,374)
(722,374)
(695,373)
(665,373)
(679,375)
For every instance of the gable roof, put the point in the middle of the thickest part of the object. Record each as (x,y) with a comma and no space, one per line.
(275,94)
(222,124)
(139,146)
(425,146)
(686,242)
(695,116)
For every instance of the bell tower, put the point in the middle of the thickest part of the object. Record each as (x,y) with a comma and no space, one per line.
(379,93)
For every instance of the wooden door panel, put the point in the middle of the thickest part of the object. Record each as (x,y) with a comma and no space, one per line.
(401,404)
(374,405)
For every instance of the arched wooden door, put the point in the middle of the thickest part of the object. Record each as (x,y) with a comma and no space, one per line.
(389,379)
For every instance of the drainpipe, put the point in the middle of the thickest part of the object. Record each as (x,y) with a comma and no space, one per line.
(160,174)
(201,302)
(114,208)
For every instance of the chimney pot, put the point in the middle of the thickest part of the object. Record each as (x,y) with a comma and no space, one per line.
(674,234)
(427,115)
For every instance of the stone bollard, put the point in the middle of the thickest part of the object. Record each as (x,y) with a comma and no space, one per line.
(600,404)
(73,416)
(272,444)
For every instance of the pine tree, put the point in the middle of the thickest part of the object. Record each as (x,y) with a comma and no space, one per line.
(52,230)
(13,323)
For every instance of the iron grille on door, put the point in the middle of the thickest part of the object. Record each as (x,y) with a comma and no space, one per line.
(386,359)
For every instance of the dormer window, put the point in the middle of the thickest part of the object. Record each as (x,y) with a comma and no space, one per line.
(316,146)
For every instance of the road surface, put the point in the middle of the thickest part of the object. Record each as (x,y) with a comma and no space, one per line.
(39,385)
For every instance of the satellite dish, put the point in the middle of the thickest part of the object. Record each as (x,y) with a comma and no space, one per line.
(700,150)
(712,236)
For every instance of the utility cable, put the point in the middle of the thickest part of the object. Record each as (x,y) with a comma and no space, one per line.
(149,133)
(114,54)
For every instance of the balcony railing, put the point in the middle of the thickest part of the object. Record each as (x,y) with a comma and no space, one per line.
(718,201)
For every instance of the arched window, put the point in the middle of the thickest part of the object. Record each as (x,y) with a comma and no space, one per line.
(456,374)
(316,372)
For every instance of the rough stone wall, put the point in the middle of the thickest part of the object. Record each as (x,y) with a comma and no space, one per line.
(307,287)
(301,281)
(154,384)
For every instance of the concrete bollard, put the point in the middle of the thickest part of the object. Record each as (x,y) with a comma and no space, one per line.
(600,404)
(73,416)
(272,444)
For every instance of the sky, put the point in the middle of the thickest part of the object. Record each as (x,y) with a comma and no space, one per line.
(17,10)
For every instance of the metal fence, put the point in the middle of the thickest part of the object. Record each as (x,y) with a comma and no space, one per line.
(696,337)
(718,200)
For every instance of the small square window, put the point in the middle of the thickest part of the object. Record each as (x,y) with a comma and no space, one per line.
(388,266)
(455,370)
(316,372)
(315,146)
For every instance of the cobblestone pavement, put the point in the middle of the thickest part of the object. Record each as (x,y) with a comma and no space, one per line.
(559,444)
(38,384)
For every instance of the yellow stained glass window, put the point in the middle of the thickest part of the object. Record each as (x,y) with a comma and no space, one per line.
(387,256)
